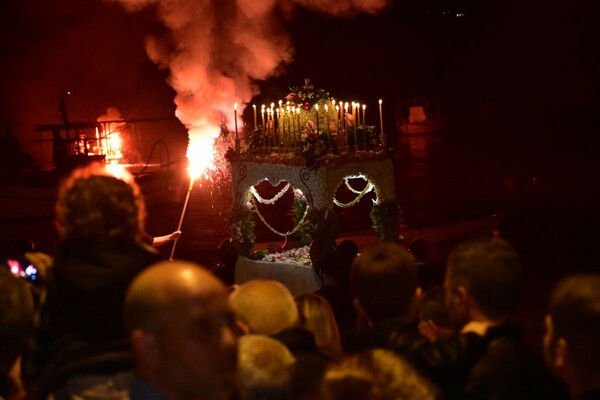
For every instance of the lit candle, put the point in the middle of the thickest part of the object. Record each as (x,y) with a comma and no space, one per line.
(364,107)
(290,128)
(254,107)
(262,114)
(341,110)
(278,129)
(294,127)
(381,124)
(337,125)
(273,133)
(355,143)
(266,128)
(346,124)
(364,126)
(317,108)
(299,130)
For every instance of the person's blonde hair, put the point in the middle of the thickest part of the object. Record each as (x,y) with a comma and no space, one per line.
(265,368)
(376,374)
(317,317)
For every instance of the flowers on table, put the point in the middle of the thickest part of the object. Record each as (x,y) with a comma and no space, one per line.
(298,256)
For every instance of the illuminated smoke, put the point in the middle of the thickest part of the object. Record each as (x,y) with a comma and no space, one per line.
(216,51)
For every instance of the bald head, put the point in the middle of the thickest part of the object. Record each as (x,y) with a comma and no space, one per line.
(165,287)
(182,331)
(266,307)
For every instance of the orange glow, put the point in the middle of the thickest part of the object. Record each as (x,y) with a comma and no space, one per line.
(109,142)
(119,171)
(200,152)
(115,144)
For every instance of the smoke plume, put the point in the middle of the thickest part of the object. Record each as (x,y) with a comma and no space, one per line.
(217,50)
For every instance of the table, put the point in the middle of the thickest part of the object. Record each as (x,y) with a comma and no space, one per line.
(297,278)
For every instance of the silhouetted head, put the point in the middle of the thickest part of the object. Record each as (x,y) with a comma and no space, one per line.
(571,344)
(265,307)
(95,206)
(265,368)
(384,281)
(489,271)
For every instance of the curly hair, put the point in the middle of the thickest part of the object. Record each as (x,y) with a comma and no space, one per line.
(95,206)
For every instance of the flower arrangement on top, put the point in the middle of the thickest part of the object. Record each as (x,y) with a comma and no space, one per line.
(305,96)
(309,125)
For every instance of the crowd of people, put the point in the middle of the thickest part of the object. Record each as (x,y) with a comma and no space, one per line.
(108,318)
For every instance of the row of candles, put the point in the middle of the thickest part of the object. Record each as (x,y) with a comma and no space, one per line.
(283,123)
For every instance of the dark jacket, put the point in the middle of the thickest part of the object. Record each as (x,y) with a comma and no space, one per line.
(81,328)
(439,362)
(468,366)
(508,369)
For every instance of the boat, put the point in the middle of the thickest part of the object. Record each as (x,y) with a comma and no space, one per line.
(419,116)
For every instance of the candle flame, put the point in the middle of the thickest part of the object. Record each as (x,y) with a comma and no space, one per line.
(235,106)
(380,101)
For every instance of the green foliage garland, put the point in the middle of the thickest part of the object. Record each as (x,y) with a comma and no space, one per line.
(385,218)
(303,237)
(241,223)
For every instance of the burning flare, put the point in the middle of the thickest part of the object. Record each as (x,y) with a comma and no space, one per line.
(216,51)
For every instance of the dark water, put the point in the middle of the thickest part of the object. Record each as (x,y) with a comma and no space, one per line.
(549,197)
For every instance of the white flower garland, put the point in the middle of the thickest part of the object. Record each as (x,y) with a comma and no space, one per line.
(273,199)
(366,190)
(351,188)
(275,231)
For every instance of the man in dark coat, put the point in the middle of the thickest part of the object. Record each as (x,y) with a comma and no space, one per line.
(384,282)
(483,286)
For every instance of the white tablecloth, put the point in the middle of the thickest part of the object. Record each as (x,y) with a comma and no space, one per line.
(297,278)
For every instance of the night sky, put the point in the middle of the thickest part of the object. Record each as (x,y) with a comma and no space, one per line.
(529,65)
